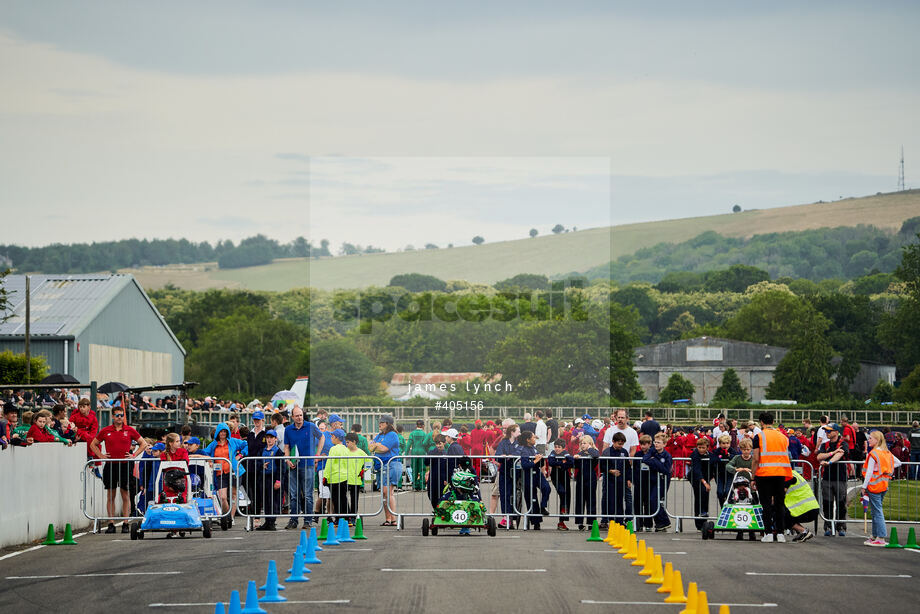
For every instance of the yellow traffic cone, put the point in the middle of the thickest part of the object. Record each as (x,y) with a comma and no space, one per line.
(657,576)
(628,538)
(677,589)
(610,529)
(702,603)
(723,609)
(640,554)
(668,578)
(632,550)
(649,566)
(617,540)
(691,599)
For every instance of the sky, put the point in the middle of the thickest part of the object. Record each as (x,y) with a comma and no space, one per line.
(404,123)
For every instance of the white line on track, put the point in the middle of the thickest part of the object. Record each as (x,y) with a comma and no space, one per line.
(828,575)
(128,540)
(605,551)
(213,603)
(98,575)
(470,570)
(40,546)
(732,605)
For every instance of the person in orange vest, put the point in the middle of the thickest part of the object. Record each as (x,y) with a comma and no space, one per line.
(771,470)
(877,469)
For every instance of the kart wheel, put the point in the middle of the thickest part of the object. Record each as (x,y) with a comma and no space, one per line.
(490,527)
(140,534)
(134,529)
(206,529)
(181,533)
(224,523)
(425,524)
(434,530)
(709,530)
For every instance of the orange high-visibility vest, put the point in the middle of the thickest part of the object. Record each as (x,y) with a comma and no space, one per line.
(884,467)
(774,454)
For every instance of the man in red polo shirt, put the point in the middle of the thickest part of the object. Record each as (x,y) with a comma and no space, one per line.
(117,439)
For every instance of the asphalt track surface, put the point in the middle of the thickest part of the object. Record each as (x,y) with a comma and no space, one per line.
(401,571)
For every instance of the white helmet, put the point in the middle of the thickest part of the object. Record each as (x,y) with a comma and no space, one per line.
(597,424)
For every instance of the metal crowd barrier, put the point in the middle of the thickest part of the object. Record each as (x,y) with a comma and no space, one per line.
(840,501)
(273,489)
(610,498)
(143,488)
(418,503)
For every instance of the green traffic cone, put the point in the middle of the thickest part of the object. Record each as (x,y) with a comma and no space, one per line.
(68,537)
(629,526)
(323,529)
(893,540)
(359,529)
(50,541)
(595,532)
(912,540)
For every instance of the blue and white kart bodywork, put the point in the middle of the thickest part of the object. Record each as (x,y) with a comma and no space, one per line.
(173,516)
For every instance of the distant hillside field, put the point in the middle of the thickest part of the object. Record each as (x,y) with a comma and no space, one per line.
(549,255)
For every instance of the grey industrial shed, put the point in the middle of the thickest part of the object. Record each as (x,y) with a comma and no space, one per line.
(94,327)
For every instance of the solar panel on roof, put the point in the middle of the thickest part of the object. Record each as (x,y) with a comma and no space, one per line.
(44,328)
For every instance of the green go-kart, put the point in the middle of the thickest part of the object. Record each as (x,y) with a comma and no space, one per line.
(460,508)
(742,511)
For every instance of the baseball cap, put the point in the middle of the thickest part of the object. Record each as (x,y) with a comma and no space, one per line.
(490,423)
(587,417)
(258,415)
(339,434)
(452,433)
(335,418)
(579,421)
(158,446)
(194,440)
(597,424)
(833,426)
(271,433)
(386,418)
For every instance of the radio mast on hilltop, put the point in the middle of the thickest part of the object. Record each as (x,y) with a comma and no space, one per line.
(901,172)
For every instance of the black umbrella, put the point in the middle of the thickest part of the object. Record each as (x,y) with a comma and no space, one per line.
(112,388)
(60,378)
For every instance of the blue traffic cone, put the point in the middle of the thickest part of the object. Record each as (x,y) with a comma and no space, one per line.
(219,608)
(297,569)
(331,539)
(252,600)
(309,556)
(271,579)
(303,539)
(343,535)
(235,607)
(271,586)
(313,540)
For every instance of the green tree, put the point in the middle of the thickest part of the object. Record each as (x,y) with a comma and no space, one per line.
(678,387)
(533,233)
(909,390)
(774,317)
(558,228)
(899,331)
(478,240)
(13,368)
(417,282)
(339,369)
(246,353)
(731,390)
(736,209)
(735,278)
(624,337)
(804,373)
(883,391)
(523,281)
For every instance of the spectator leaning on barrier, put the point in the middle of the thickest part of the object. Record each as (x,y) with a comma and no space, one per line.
(41,432)
(61,425)
(915,450)
(385,447)
(703,464)
(585,470)
(560,463)
(659,463)
(723,453)
(506,451)
(831,456)
(255,446)
(418,446)
(270,469)
(531,462)
(225,446)
(616,480)
(117,438)
(641,485)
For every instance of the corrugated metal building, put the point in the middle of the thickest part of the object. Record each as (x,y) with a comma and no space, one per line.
(94,327)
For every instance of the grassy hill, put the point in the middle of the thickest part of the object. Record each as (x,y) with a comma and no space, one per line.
(550,255)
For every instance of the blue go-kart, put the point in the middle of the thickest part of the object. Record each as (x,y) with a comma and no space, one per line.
(175,512)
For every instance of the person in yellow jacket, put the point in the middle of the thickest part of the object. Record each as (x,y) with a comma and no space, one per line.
(877,469)
(772,468)
(343,474)
(801,506)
